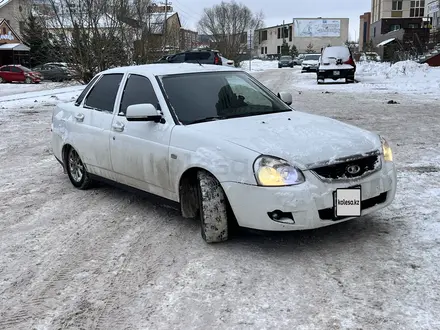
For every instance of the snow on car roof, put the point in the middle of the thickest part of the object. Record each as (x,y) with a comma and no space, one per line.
(160,69)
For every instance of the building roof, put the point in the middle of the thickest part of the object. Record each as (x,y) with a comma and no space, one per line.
(16,47)
(160,69)
(4,2)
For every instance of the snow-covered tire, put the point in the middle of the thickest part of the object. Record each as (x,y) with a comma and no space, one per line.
(213,208)
(77,171)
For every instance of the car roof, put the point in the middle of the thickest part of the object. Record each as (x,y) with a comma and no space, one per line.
(164,69)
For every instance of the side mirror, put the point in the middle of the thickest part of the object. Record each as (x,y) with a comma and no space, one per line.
(285,97)
(143,112)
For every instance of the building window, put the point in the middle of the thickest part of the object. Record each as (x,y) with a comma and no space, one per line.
(278,49)
(394,27)
(417,8)
(413,26)
(4,31)
(262,50)
(397,5)
(279,33)
(263,35)
(374,32)
(265,50)
(290,32)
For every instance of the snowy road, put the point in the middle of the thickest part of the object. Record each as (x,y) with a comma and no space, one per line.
(107,259)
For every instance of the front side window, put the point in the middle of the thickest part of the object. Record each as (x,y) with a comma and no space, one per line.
(15,69)
(103,94)
(138,90)
(201,97)
(85,91)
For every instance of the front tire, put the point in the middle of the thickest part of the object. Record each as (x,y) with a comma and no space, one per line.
(213,208)
(77,171)
(28,80)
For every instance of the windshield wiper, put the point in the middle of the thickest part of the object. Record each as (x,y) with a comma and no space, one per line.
(204,120)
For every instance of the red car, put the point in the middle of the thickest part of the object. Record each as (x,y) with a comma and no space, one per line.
(11,73)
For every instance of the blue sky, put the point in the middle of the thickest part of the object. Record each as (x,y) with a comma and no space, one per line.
(277,11)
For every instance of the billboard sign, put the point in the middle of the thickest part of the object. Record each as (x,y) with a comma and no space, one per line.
(306,28)
(433,7)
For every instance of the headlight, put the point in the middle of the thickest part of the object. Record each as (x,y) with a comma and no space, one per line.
(386,149)
(275,172)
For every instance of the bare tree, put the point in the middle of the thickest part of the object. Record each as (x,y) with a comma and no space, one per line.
(94,35)
(228,25)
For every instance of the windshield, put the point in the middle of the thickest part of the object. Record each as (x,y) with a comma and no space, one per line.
(200,97)
(25,69)
(286,58)
(314,57)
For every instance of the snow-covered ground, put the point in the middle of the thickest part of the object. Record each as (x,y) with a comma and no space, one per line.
(406,77)
(107,259)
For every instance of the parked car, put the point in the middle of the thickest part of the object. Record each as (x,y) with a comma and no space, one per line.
(285,61)
(225,148)
(201,56)
(19,73)
(53,72)
(227,62)
(299,59)
(336,63)
(370,56)
(310,63)
(163,59)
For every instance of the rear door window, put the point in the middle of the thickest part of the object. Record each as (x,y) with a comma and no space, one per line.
(16,70)
(5,69)
(103,95)
(138,90)
(197,56)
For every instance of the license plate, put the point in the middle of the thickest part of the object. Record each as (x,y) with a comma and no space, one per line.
(347,202)
(336,73)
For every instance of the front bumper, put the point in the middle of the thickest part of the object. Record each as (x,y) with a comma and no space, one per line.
(311,68)
(310,203)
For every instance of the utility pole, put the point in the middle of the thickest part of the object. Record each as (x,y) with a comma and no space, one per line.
(165,28)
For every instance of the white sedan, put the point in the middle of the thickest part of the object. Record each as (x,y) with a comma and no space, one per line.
(224,147)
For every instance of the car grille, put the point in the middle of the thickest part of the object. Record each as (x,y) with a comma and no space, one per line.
(349,169)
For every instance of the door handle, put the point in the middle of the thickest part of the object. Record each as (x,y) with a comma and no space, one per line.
(118,127)
(79,117)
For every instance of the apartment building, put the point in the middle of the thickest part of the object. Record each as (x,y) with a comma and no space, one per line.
(364,30)
(432,10)
(397,9)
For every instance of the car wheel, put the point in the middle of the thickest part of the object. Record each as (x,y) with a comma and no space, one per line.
(1,80)
(28,80)
(213,208)
(76,170)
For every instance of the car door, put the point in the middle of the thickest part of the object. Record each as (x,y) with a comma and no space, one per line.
(94,119)
(17,74)
(140,150)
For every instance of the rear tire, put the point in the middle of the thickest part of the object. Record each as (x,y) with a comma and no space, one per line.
(28,80)
(213,208)
(77,171)
(1,80)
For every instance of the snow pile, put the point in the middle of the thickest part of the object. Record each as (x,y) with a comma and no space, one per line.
(408,68)
(372,68)
(259,65)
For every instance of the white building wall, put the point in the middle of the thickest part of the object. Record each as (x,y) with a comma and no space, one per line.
(301,43)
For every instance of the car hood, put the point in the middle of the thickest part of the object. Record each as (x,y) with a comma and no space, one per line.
(303,139)
(310,62)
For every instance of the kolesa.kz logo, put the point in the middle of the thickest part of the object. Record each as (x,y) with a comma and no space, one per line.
(347,202)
